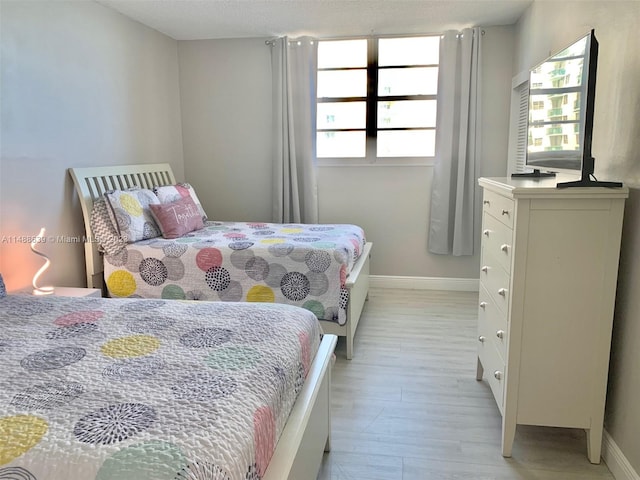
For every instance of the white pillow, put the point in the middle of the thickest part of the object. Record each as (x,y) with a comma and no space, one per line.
(130,213)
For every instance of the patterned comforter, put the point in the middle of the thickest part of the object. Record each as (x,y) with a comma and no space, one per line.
(125,389)
(302,265)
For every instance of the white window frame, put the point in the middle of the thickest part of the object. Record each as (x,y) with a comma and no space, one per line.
(370,158)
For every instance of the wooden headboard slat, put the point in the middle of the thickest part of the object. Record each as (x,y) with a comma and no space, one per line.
(123,182)
(90,188)
(155,179)
(109,184)
(92,182)
(148,180)
(103,184)
(142,180)
(127,181)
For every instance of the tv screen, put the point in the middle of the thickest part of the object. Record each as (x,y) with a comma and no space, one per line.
(559,89)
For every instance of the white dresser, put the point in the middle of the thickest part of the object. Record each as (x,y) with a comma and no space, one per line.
(549,268)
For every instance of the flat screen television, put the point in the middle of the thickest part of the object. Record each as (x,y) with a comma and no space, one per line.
(562,92)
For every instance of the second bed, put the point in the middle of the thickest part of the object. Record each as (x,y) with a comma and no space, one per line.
(323,268)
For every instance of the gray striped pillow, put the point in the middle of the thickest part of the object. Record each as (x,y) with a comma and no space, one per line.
(104,231)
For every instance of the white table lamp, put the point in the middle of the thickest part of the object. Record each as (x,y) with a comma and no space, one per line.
(36,289)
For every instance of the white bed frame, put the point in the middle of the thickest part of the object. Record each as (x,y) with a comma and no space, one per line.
(93,182)
(307,433)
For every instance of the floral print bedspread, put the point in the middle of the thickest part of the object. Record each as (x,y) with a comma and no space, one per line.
(298,264)
(130,389)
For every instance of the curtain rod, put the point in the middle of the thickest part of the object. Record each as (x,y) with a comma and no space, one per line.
(272,42)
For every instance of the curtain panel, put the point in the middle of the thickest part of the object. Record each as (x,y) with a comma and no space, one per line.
(295,190)
(454,192)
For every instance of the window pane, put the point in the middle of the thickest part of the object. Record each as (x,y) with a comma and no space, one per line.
(408,81)
(342,115)
(406,143)
(340,144)
(553,107)
(342,83)
(342,53)
(407,113)
(409,51)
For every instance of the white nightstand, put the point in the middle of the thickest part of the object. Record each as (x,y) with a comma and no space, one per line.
(77,292)
(66,292)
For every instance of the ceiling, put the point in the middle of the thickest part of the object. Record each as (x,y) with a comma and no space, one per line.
(208,19)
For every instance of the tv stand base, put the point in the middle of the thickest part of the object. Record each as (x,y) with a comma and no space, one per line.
(588,183)
(535,174)
(588,163)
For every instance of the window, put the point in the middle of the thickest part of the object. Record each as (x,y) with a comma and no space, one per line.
(377,98)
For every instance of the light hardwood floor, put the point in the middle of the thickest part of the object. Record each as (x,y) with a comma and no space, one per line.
(408,407)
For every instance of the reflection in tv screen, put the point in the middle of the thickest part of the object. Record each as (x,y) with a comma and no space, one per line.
(556,109)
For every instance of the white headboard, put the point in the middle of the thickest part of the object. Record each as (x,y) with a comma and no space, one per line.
(92,182)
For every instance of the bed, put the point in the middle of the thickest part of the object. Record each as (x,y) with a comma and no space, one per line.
(96,388)
(231,247)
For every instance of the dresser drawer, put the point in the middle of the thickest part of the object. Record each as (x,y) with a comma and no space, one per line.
(494,369)
(497,239)
(492,323)
(495,279)
(500,207)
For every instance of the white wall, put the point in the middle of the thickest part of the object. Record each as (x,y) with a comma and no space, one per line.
(225,88)
(548,27)
(81,85)
(545,28)
(226,108)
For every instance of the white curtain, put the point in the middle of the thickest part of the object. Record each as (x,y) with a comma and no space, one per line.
(454,192)
(294,64)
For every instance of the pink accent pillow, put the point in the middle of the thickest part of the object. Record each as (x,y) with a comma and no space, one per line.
(177,218)
(171,193)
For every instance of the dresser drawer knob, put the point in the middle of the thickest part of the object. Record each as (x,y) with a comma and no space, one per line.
(502,292)
(505,212)
(481,338)
(486,232)
(497,374)
(486,202)
(485,269)
(483,304)
(505,248)
(500,334)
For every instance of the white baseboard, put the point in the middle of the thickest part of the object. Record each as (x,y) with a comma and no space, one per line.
(616,461)
(424,283)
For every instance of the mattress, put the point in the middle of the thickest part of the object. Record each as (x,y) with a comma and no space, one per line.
(95,388)
(295,264)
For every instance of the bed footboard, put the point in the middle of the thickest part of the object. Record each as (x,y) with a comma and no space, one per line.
(358,285)
(307,434)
